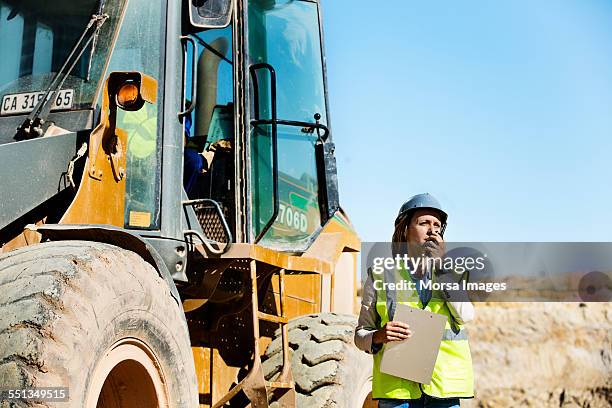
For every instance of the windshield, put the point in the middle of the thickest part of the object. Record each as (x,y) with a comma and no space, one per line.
(37,37)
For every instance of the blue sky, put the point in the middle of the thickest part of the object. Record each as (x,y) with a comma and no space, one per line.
(501,109)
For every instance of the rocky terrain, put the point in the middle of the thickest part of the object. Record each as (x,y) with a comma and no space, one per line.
(542,355)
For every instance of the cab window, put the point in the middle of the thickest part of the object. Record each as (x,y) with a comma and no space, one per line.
(138,49)
(209,129)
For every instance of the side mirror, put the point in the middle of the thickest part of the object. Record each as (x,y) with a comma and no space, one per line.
(210,13)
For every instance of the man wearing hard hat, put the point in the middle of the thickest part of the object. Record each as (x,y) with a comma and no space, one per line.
(420,227)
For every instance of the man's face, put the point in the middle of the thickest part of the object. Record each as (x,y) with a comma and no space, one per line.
(424,227)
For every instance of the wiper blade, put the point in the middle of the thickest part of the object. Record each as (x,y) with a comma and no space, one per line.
(32,126)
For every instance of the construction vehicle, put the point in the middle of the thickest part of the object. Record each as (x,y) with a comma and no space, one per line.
(170,229)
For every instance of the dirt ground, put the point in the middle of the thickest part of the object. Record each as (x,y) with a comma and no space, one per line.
(542,355)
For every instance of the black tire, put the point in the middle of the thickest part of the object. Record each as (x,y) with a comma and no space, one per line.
(66,307)
(328,370)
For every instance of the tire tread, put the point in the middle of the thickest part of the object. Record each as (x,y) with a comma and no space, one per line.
(323,359)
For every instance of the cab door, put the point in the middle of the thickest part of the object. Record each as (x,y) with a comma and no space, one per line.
(288,119)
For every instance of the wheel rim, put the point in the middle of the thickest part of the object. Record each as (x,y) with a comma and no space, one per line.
(128,375)
(365,395)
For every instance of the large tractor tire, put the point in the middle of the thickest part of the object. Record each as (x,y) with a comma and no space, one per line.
(328,370)
(96,319)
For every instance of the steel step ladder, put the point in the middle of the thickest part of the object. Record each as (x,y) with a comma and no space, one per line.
(254,385)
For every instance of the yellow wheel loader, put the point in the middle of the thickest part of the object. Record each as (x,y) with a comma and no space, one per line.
(170,228)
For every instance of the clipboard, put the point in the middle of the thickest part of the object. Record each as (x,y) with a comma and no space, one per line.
(414,358)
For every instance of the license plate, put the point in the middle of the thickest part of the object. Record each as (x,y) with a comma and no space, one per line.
(26,102)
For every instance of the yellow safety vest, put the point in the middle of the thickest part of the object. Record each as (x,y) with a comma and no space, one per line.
(141,126)
(452,376)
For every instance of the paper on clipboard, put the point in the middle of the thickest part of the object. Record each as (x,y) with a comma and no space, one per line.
(414,358)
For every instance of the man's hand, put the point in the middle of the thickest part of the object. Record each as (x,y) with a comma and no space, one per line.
(392,331)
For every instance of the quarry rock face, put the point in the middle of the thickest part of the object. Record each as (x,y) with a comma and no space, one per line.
(542,355)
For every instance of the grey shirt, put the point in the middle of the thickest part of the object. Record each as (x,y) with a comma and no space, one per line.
(369,320)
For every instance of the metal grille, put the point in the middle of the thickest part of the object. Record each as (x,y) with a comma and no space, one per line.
(210,221)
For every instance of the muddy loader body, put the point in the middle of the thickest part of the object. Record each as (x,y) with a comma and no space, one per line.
(170,228)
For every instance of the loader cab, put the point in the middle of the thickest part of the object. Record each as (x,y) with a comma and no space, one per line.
(247,79)
(260,117)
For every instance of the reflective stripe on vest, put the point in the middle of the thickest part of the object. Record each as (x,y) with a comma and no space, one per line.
(452,375)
